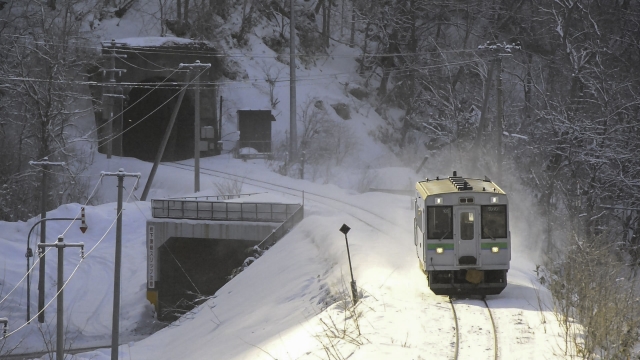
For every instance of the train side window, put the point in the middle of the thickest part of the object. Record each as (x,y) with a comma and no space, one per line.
(439,222)
(467,226)
(419,218)
(494,221)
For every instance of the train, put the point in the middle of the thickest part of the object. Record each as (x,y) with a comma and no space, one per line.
(462,236)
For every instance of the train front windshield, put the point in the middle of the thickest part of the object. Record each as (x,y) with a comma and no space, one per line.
(494,221)
(439,222)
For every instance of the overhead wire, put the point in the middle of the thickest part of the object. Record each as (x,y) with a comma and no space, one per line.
(24,277)
(112,137)
(219,83)
(168,50)
(38,260)
(82,259)
(178,84)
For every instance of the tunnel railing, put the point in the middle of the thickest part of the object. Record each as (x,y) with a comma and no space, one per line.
(216,197)
(283,229)
(222,211)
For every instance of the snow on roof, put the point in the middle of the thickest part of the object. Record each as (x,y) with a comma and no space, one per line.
(154,41)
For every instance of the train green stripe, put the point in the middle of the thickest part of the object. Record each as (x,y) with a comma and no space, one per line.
(445,246)
(489,245)
(483,246)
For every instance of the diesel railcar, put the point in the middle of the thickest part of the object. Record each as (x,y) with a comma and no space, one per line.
(461,234)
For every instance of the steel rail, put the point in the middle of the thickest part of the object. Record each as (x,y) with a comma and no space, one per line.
(495,330)
(455,319)
(493,326)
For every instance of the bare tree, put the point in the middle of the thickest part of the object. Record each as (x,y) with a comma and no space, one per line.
(43,52)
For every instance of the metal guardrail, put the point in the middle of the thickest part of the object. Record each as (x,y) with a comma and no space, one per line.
(222,211)
(217,197)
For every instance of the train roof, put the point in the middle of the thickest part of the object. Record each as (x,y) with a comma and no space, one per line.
(456,184)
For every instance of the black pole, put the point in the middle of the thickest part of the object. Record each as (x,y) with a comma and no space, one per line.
(354,289)
(219,127)
(115,329)
(164,141)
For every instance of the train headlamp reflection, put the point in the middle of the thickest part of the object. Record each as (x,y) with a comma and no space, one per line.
(495,249)
(439,250)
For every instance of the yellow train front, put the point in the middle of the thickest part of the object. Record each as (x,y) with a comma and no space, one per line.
(461,234)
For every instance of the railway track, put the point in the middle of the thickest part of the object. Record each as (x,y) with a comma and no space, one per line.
(477,343)
(479,340)
(321,199)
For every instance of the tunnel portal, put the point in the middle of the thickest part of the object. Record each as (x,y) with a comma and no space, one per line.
(142,136)
(194,245)
(192,269)
(132,68)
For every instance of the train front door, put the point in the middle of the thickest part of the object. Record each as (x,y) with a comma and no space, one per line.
(467,235)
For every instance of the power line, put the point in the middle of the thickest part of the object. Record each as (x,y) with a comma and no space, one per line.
(168,50)
(153,111)
(76,268)
(23,278)
(29,271)
(177,84)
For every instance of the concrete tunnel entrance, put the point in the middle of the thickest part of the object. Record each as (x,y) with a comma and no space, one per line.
(192,268)
(194,245)
(142,138)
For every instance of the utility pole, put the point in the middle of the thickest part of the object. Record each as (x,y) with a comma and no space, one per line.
(219,138)
(43,228)
(29,254)
(60,245)
(499,117)
(293,131)
(495,138)
(109,108)
(165,139)
(196,123)
(115,327)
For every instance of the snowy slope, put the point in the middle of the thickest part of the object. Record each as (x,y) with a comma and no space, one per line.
(293,302)
(275,308)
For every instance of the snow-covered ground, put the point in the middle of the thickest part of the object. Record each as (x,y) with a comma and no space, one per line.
(290,303)
(293,302)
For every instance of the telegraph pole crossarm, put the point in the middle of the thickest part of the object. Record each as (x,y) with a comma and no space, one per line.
(115,328)
(45,163)
(60,245)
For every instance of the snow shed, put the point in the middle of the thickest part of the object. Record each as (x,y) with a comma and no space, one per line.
(135,93)
(255,132)
(193,246)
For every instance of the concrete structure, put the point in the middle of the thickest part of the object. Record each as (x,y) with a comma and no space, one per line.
(255,132)
(139,66)
(193,246)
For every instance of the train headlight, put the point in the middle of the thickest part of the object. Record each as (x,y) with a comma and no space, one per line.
(439,250)
(495,249)
(494,199)
(438,201)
